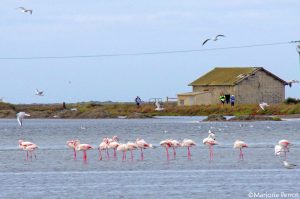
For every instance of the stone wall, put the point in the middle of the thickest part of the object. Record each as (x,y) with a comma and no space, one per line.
(260,87)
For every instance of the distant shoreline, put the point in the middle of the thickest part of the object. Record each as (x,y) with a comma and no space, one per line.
(130,110)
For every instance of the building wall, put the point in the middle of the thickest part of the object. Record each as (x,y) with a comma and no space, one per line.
(215,92)
(195,99)
(260,87)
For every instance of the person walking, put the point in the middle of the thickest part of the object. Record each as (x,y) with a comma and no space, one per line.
(138,101)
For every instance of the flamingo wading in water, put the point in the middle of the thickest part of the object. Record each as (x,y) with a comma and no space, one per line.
(72,145)
(166,144)
(188,143)
(142,144)
(238,144)
(210,141)
(84,148)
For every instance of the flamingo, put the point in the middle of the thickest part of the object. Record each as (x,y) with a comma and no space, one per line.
(188,143)
(23,144)
(84,148)
(284,144)
(142,144)
(103,146)
(238,144)
(210,141)
(72,144)
(31,148)
(123,148)
(131,146)
(113,144)
(175,144)
(166,144)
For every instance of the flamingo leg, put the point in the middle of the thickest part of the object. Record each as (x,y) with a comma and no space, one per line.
(174,152)
(241,154)
(115,153)
(84,155)
(100,154)
(131,154)
(142,154)
(210,153)
(74,154)
(189,153)
(107,154)
(167,151)
(27,155)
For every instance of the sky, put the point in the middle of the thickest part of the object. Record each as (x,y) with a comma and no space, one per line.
(72,28)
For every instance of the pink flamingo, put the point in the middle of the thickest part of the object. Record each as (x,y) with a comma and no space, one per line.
(31,148)
(210,141)
(174,145)
(23,144)
(166,144)
(284,145)
(238,144)
(113,144)
(131,146)
(72,145)
(188,143)
(84,148)
(103,146)
(123,148)
(142,144)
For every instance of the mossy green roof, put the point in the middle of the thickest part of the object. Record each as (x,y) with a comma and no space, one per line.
(228,76)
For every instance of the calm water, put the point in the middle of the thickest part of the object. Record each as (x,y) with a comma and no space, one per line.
(56,175)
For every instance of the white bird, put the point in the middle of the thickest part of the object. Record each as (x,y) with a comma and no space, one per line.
(158,106)
(288,165)
(39,93)
(263,105)
(214,39)
(292,82)
(20,117)
(25,10)
(73,109)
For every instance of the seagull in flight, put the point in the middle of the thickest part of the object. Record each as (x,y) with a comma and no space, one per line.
(263,105)
(288,165)
(25,10)
(292,82)
(214,39)
(20,117)
(39,93)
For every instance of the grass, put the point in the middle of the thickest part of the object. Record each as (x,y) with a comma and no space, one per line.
(90,110)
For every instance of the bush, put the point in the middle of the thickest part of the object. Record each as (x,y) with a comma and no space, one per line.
(291,100)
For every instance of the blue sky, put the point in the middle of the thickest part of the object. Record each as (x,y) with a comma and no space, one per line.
(63,28)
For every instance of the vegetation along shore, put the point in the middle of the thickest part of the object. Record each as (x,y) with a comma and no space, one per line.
(129,110)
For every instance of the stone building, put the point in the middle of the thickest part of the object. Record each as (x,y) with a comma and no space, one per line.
(249,85)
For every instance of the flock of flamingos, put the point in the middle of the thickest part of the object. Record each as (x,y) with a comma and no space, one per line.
(140,144)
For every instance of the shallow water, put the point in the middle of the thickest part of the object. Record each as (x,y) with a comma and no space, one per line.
(54,174)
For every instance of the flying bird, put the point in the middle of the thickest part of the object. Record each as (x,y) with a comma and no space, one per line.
(158,106)
(25,10)
(39,93)
(263,105)
(292,82)
(20,117)
(214,39)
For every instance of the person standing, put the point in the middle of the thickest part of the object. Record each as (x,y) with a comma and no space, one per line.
(222,99)
(138,101)
(232,99)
